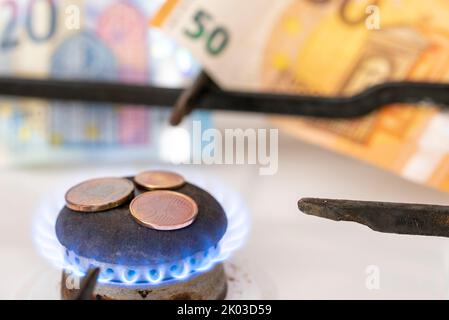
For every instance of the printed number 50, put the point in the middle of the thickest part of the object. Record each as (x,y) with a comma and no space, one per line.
(216,39)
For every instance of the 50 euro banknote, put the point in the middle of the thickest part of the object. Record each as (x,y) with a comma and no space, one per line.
(332,48)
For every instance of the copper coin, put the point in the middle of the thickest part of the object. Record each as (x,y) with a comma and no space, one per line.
(99,194)
(157,180)
(164,210)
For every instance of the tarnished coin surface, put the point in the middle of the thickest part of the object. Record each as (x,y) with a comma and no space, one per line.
(158,180)
(99,194)
(164,210)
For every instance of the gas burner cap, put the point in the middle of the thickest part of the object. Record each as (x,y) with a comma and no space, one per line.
(221,231)
(113,236)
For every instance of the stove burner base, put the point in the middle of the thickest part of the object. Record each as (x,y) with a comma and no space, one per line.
(210,285)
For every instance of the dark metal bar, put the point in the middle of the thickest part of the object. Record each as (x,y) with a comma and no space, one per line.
(88,286)
(186,101)
(401,218)
(213,98)
(88,91)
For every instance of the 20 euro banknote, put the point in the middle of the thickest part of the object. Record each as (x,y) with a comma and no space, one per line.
(105,40)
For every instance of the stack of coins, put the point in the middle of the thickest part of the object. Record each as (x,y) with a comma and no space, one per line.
(159,208)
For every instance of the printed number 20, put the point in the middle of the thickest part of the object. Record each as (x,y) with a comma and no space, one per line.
(8,37)
(216,40)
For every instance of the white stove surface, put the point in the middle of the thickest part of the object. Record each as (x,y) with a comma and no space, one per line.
(288,255)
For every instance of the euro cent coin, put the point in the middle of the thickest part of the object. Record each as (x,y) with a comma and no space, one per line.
(164,210)
(159,180)
(99,194)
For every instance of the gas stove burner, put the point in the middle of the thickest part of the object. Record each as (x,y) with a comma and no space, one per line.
(141,263)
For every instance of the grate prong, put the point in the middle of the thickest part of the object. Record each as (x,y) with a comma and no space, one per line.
(210,97)
(88,286)
(387,217)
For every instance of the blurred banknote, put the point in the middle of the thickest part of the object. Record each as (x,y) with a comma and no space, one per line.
(79,39)
(332,47)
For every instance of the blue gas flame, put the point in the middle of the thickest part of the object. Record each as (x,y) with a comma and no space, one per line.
(144,275)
